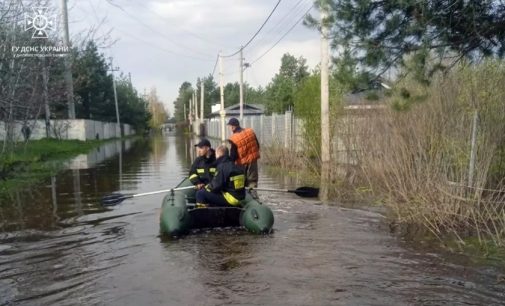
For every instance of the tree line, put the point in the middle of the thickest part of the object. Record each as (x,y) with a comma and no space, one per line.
(32,85)
(277,96)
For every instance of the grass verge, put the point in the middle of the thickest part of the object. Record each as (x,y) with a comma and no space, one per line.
(32,161)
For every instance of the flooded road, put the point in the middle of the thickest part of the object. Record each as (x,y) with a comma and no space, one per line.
(58,246)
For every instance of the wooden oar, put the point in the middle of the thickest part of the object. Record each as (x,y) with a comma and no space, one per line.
(305,192)
(116,198)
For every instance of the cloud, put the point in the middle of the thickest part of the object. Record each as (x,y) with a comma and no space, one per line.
(262,72)
(164,43)
(203,13)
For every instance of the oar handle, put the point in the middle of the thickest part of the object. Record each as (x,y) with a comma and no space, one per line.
(271,189)
(162,191)
(305,192)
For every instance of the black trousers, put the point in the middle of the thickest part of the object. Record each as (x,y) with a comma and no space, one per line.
(212,199)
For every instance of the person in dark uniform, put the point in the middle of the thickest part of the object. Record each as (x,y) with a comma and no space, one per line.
(227,187)
(204,166)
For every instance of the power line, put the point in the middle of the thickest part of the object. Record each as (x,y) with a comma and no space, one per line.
(163,49)
(257,32)
(282,37)
(297,10)
(154,30)
(215,65)
(165,20)
(94,11)
(144,41)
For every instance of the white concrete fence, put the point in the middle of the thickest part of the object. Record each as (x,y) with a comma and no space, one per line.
(99,154)
(80,129)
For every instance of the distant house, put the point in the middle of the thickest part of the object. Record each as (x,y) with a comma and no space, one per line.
(369,99)
(234,110)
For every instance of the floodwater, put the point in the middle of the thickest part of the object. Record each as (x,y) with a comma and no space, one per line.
(58,246)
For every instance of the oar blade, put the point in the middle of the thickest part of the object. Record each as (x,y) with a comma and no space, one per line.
(114,199)
(306,192)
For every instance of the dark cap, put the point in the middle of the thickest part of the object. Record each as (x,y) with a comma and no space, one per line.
(203,143)
(233,121)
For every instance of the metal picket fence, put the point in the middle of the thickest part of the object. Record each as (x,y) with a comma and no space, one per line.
(284,130)
(276,129)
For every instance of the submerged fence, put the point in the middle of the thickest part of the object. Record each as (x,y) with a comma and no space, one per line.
(277,129)
(285,130)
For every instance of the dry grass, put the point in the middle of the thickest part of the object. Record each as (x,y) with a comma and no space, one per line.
(414,155)
(417,159)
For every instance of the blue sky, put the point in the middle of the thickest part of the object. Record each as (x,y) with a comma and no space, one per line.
(163,43)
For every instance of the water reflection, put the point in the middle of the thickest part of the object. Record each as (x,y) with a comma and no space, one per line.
(120,166)
(72,194)
(223,261)
(49,267)
(100,154)
(54,199)
(57,240)
(59,246)
(185,150)
(282,180)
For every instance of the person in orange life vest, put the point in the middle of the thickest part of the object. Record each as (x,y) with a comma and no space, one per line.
(203,168)
(245,151)
(227,186)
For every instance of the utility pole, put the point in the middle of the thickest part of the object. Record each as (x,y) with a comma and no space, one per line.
(45,80)
(221,86)
(115,97)
(67,62)
(185,116)
(325,117)
(153,105)
(241,87)
(201,99)
(195,98)
(195,111)
(191,112)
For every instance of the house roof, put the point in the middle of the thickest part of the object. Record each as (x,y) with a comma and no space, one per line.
(249,110)
(364,98)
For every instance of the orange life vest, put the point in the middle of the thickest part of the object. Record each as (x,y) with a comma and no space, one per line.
(247,147)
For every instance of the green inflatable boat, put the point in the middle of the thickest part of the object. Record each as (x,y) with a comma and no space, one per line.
(179,214)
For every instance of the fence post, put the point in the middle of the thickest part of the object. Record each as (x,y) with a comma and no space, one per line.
(293,130)
(262,117)
(287,129)
(273,128)
(473,152)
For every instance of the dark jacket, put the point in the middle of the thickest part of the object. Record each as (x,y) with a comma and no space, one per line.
(229,180)
(203,169)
